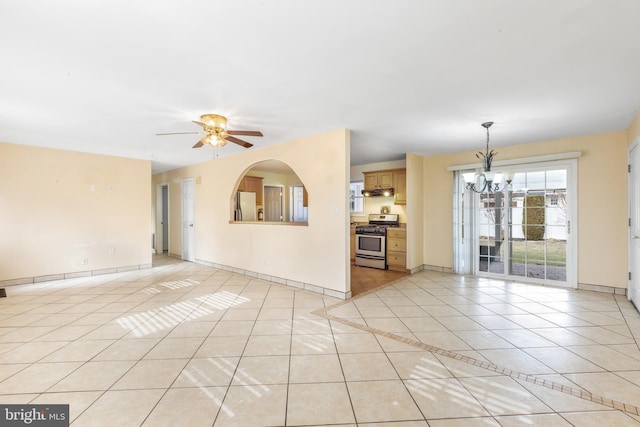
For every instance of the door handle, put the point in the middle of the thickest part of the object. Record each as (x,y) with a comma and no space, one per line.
(190,225)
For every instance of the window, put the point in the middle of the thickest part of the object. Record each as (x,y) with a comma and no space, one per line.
(356,200)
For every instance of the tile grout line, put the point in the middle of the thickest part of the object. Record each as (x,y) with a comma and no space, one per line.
(335,347)
(585,395)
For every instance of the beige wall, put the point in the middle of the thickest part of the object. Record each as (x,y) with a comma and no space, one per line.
(317,254)
(50,219)
(633,131)
(415,211)
(602,203)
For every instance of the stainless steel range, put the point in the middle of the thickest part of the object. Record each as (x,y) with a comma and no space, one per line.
(371,240)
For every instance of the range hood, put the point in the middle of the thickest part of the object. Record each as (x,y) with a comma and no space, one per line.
(378,192)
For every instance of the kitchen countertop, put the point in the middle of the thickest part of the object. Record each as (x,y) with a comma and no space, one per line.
(355,224)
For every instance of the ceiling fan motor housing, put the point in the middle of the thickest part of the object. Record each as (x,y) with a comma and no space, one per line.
(215,122)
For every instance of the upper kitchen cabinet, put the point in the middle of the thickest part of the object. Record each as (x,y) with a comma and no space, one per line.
(381,179)
(400,186)
(252,184)
(394,178)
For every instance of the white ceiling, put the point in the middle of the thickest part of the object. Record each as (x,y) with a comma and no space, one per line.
(404,76)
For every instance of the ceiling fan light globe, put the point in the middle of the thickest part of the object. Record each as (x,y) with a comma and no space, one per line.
(211,140)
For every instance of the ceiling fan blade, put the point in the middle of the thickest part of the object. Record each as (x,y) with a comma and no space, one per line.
(200,124)
(175,133)
(202,142)
(235,140)
(245,132)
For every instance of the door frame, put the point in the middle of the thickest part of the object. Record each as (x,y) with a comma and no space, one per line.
(634,272)
(159,240)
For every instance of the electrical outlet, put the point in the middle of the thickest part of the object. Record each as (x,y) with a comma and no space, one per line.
(111,251)
(85,261)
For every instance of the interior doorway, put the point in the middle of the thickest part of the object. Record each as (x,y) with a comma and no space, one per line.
(634,223)
(188,220)
(273,203)
(299,212)
(161,241)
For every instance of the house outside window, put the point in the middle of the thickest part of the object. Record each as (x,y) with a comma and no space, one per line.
(356,200)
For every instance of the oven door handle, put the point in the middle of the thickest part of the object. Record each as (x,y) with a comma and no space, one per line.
(369,256)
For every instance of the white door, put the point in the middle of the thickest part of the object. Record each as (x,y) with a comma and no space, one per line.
(188,217)
(634,226)
(298,210)
(273,203)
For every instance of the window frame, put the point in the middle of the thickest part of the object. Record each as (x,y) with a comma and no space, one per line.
(356,199)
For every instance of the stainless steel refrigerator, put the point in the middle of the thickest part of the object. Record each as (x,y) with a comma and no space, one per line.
(245,206)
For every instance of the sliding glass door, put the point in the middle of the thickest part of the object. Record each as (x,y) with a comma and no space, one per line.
(523,232)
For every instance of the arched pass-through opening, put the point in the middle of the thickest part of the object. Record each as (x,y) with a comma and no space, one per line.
(286,200)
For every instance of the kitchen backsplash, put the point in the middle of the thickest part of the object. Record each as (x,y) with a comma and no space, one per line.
(375,204)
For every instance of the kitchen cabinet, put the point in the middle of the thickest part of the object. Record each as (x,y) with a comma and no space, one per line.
(394,178)
(397,249)
(252,184)
(352,243)
(381,179)
(400,186)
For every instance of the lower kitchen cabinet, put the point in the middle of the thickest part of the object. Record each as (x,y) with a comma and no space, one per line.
(397,249)
(352,243)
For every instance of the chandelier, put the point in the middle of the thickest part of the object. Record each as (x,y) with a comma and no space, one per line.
(487,181)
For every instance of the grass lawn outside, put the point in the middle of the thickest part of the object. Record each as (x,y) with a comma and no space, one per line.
(533,251)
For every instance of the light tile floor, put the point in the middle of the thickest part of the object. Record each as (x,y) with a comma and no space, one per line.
(186,345)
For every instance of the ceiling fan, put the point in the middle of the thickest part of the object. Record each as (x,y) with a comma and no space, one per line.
(216,132)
